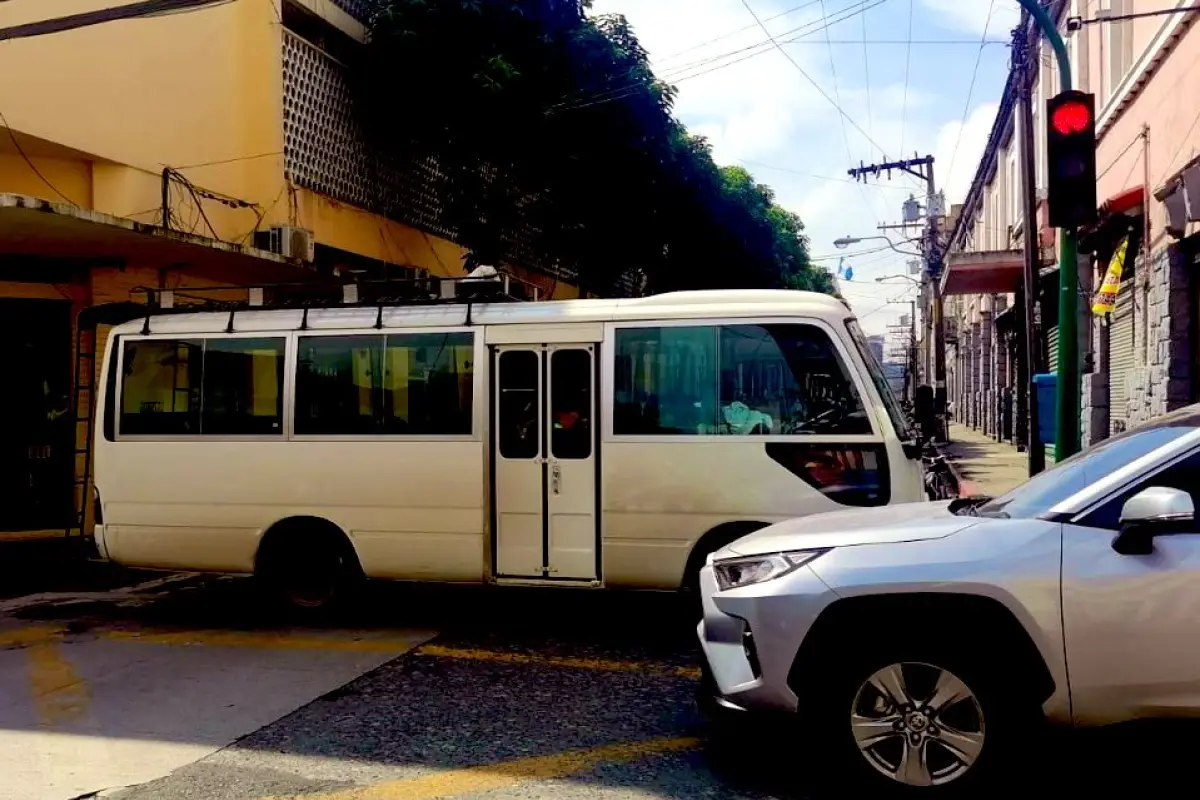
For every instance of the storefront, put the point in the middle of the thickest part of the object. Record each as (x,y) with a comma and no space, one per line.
(1112,362)
(56,261)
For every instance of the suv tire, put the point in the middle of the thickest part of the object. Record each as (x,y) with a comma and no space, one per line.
(926,720)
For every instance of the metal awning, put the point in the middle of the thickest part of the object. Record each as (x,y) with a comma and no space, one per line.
(37,234)
(990,272)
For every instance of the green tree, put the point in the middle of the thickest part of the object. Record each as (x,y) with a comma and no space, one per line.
(528,131)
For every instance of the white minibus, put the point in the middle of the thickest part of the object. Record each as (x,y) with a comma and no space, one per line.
(586,443)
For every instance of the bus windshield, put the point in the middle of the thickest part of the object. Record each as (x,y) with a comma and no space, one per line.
(879,378)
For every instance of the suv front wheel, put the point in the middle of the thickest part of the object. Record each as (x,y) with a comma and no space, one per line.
(924,721)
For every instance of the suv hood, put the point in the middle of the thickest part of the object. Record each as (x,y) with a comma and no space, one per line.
(907,522)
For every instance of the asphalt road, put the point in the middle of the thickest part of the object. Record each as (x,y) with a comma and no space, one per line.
(459,694)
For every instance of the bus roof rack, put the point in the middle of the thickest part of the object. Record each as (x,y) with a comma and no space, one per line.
(483,285)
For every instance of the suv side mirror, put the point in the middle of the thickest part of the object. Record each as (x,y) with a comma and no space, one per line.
(1155,511)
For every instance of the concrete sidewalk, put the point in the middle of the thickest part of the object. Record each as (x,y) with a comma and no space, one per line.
(984,466)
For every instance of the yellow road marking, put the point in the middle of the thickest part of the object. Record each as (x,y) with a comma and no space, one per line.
(58,691)
(23,637)
(598,664)
(264,640)
(490,777)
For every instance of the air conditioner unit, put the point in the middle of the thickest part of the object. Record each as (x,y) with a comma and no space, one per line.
(291,242)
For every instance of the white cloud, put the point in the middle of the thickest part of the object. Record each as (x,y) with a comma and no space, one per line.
(959,148)
(997,17)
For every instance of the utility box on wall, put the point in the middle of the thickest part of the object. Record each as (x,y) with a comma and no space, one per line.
(1047,398)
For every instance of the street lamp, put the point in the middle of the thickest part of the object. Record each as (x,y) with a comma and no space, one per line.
(846,241)
(937,347)
(908,278)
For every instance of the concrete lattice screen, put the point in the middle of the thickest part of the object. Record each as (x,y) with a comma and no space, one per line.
(325,150)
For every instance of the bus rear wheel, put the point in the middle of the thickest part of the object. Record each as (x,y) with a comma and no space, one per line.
(308,569)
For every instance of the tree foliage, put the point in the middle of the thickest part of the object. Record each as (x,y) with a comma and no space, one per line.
(547,138)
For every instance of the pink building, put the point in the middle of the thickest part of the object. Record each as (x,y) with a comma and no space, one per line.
(1141,59)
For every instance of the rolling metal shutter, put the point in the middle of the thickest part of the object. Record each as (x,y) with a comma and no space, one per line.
(1052,349)
(1120,359)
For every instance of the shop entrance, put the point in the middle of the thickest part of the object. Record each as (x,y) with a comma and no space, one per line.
(35,423)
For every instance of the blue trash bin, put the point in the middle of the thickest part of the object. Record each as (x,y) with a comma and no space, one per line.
(1047,398)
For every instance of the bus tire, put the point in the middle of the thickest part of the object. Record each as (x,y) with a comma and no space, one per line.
(308,567)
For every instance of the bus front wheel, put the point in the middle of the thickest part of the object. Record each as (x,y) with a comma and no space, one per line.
(308,567)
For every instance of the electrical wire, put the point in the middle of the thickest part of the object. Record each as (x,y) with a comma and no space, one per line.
(228,160)
(575,100)
(971,88)
(1119,156)
(137,10)
(815,176)
(843,116)
(846,117)
(683,73)
(743,29)
(866,71)
(907,73)
(32,166)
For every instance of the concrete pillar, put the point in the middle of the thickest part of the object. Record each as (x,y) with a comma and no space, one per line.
(977,374)
(986,370)
(968,404)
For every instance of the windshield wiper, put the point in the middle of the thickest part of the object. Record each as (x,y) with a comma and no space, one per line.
(968,505)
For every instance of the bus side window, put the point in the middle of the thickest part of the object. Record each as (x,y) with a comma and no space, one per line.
(733,380)
(160,387)
(215,387)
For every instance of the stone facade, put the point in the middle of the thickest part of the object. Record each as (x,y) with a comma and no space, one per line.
(1162,320)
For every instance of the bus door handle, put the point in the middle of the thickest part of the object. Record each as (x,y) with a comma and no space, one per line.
(555,477)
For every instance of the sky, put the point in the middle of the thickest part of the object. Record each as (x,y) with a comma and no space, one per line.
(936,96)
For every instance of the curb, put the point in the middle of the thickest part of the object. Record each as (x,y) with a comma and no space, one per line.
(959,478)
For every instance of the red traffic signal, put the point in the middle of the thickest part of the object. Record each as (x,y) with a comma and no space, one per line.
(1071,159)
(1072,117)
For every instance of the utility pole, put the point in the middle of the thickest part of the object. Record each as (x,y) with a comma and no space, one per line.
(1027,389)
(912,375)
(933,249)
(912,346)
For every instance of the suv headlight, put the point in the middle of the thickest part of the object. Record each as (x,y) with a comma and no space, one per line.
(734,572)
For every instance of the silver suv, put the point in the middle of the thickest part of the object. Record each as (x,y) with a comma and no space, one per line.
(926,641)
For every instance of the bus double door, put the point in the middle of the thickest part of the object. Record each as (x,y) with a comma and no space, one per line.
(544,462)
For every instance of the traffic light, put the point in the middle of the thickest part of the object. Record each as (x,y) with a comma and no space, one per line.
(1071,153)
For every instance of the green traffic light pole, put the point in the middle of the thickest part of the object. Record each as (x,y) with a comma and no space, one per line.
(1067,412)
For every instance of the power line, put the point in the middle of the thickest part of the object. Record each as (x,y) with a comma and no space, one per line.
(866,71)
(743,29)
(844,117)
(144,8)
(907,66)
(818,177)
(681,73)
(33,166)
(809,78)
(971,88)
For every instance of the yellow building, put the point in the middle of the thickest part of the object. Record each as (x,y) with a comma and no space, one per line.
(228,122)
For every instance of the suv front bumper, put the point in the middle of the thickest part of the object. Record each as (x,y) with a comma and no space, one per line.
(750,637)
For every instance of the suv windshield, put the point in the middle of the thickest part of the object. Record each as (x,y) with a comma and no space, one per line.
(895,413)
(1048,489)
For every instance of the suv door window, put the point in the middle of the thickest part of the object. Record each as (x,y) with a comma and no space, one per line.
(1183,475)
(1047,489)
